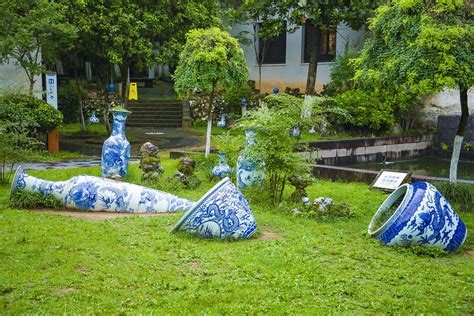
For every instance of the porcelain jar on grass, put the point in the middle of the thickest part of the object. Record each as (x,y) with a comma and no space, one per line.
(90,193)
(222,169)
(250,171)
(417,214)
(116,148)
(223,212)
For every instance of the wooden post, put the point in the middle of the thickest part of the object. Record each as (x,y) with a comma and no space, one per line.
(53,141)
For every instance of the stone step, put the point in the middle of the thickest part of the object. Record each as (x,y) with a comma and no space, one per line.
(148,120)
(155,125)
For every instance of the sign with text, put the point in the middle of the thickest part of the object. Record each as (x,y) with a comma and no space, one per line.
(390,180)
(52,90)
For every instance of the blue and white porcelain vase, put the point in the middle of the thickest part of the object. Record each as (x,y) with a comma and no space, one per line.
(222,169)
(90,193)
(223,212)
(94,119)
(250,172)
(221,123)
(116,148)
(423,217)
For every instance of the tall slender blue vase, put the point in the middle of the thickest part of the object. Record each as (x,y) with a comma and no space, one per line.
(250,171)
(116,148)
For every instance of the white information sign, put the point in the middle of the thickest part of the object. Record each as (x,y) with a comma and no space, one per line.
(52,90)
(390,180)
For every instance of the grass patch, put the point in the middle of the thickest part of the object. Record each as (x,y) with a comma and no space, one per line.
(56,264)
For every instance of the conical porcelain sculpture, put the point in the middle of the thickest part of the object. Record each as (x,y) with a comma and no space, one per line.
(250,172)
(424,217)
(222,169)
(90,193)
(223,212)
(116,148)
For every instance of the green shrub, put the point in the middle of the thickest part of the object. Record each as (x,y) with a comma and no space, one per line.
(35,114)
(458,193)
(69,98)
(366,109)
(324,209)
(28,200)
(233,99)
(342,73)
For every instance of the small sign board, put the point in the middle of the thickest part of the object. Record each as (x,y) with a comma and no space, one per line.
(390,180)
(52,90)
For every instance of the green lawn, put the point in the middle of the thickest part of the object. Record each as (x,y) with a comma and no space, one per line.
(58,264)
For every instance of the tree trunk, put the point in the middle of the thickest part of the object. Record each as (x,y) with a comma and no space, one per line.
(314,33)
(209,122)
(124,81)
(453,170)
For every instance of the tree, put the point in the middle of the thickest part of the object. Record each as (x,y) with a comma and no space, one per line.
(323,15)
(211,61)
(268,20)
(423,45)
(33,33)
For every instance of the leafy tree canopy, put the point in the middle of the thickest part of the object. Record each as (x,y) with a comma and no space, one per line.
(32,32)
(210,59)
(420,43)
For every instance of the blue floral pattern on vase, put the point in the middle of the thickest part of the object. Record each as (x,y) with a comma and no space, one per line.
(250,172)
(116,148)
(423,218)
(90,193)
(222,169)
(223,212)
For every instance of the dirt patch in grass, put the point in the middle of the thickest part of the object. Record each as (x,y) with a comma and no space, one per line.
(66,290)
(268,235)
(96,215)
(470,252)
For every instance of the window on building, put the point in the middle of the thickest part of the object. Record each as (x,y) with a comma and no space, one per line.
(328,45)
(275,52)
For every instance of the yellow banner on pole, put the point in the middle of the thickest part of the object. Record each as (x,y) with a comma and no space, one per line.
(133,93)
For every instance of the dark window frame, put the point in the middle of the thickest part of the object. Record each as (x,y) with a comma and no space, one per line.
(275,53)
(325,53)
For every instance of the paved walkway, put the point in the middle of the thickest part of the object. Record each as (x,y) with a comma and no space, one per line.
(93,162)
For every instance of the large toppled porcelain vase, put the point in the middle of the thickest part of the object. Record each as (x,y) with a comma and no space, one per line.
(90,193)
(417,214)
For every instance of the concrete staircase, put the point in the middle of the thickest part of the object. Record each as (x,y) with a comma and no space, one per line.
(155,114)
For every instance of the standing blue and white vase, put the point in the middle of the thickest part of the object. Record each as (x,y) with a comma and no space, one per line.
(417,214)
(116,148)
(222,169)
(250,172)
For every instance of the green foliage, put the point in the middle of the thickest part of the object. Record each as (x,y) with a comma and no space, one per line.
(31,200)
(69,96)
(366,109)
(458,194)
(323,212)
(233,98)
(420,43)
(342,73)
(34,114)
(275,146)
(210,59)
(33,33)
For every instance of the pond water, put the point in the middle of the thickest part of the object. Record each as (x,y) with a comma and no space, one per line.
(426,166)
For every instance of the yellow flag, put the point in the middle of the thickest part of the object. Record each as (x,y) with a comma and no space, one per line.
(133,93)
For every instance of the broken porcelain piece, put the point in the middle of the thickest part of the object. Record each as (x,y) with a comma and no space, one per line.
(223,212)
(90,193)
(417,214)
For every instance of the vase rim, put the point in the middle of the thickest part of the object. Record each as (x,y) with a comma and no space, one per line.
(120,110)
(15,179)
(198,204)
(406,190)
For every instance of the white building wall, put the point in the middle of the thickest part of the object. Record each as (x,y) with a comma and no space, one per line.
(446,102)
(13,78)
(294,72)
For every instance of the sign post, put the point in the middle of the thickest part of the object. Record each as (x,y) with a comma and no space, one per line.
(52,99)
(133,93)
